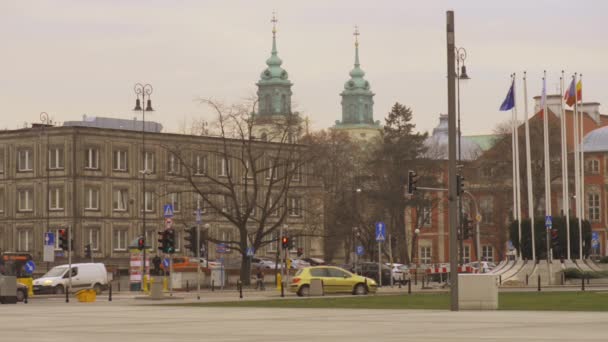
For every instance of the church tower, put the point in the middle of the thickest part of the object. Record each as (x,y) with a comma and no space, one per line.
(274,94)
(358,103)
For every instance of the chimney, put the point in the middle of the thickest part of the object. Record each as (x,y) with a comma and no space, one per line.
(592,109)
(553,103)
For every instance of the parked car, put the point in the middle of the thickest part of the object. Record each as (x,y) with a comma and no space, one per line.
(299,264)
(334,279)
(370,270)
(400,273)
(314,261)
(89,275)
(482,266)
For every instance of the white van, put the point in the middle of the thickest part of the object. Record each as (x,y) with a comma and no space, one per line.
(84,276)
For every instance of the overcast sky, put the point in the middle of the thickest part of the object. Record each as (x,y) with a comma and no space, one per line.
(70,58)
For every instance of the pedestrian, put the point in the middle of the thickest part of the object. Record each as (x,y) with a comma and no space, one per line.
(260,280)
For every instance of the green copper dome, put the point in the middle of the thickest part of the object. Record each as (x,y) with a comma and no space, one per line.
(274,74)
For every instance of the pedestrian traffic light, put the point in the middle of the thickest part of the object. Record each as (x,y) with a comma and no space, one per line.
(141,243)
(63,239)
(191,240)
(459,185)
(554,237)
(411,182)
(170,238)
(285,242)
(87,251)
(162,240)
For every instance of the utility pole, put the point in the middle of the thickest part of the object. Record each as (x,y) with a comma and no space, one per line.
(452,197)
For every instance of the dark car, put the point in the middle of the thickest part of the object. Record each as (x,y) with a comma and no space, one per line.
(370,270)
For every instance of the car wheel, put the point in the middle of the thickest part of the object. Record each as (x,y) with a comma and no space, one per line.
(59,289)
(304,291)
(360,290)
(97,289)
(20,295)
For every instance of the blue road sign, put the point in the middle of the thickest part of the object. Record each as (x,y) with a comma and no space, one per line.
(221,248)
(199,216)
(30,266)
(166,262)
(360,251)
(510,245)
(250,251)
(168,210)
(595,239)
(49,239)
(548,222)
(380,231)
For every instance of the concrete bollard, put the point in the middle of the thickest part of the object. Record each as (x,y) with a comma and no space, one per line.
(539,283)
(110,293)
(563,278)
(212,285)
(67,292)
(409,287)
(282,289)
(527,279)
(583,283)
(239,286)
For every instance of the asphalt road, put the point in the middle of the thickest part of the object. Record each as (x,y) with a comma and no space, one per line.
(127,322)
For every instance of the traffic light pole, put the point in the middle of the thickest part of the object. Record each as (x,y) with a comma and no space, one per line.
(198,261)
(67,297)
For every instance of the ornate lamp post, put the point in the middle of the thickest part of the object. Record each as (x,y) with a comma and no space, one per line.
(143,91)
(414,254)
(461,74)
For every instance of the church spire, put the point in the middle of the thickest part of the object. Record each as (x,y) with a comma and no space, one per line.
(356,34)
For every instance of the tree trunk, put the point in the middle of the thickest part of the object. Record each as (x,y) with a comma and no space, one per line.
(245,269)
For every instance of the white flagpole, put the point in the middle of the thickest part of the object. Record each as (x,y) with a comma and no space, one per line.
(529,170)
(517,169)
(546,155)
(581,164)
(577,188)
(565,192)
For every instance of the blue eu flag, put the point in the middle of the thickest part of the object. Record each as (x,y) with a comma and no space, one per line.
(509,101)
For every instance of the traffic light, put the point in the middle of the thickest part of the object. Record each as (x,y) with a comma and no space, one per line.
(141,243)
(466,227)
(162,240)
(459,185)
(554,238)
(63,239)
(285,242)
(411,182)
(191,240)
(87,251)
(170,238)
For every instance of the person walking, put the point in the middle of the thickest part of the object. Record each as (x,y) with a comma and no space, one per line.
(259,280)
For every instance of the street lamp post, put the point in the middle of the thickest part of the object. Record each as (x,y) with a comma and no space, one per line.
(414,247)
(144,91)
(461,73)
(46,121)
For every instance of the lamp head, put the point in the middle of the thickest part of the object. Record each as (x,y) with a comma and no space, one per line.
(463,73)
(137,104)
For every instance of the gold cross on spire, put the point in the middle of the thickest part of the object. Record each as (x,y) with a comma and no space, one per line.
(274,22)
(356,34)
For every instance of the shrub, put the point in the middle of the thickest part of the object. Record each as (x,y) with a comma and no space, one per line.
(575,273)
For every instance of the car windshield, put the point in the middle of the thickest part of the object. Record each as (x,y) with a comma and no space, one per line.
(55,272)
(299,272)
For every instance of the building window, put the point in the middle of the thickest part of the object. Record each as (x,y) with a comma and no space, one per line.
(225,167)
(24,240)
(593,204)
(200,165)
(119,240)
(149,201)
(271,168)
(2,160)
(119,160)
(24,160)
(148,162)
(466,256)
(93,238)
(273,208)
(426,218)
(173,164)
(91,199)
(150,238)
(226,237)
(174,198)
(297,172)
(200,202)
(120,200)
(486,206)
(25,200)
(56,198)
(593,166)
(91,158)
(425,255)
(273,241)
(295,206)
(56,158)
(1,200)
(487,253)
(227,204)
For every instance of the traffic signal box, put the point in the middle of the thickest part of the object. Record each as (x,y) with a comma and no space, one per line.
(191,240)
(411,182)
(285,242)
(63,239)
(170,245)
(459,185)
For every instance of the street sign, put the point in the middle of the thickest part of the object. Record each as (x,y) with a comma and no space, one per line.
(168,223)
(220,248)
(360,250)
(49,247)
(548,222)
(166,262)
(510,245)
(168,210)
(30,266)
(199,216)
(595,240)
(380,231)
(250,251)
(49,239)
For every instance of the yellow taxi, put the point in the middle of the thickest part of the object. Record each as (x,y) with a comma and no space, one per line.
(334,280)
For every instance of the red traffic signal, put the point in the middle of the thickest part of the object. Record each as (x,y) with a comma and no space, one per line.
(140,243)
(63,239)
(285,242)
